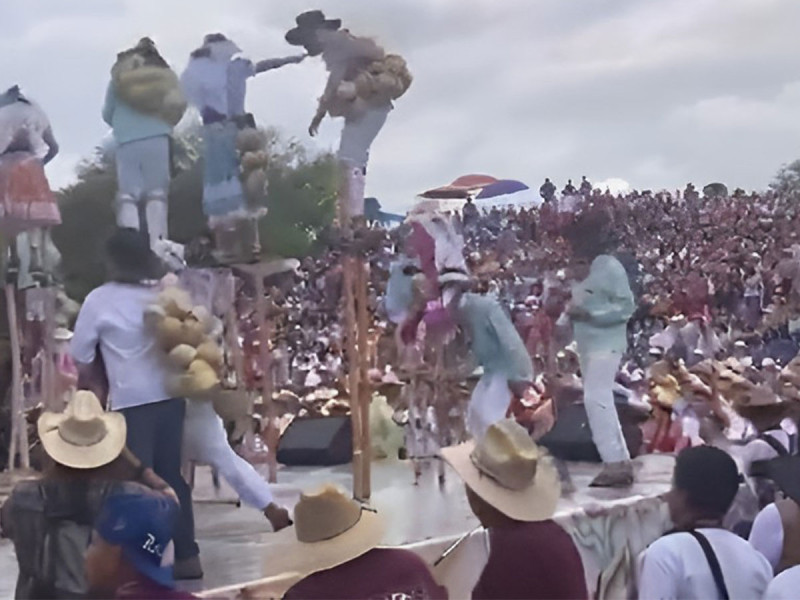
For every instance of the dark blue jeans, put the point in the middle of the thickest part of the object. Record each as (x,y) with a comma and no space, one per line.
(155,436)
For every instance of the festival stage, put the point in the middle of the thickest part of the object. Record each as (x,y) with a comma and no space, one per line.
(610,527)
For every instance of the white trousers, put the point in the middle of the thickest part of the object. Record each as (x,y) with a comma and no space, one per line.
(488,405)
(599,369)
(205,442)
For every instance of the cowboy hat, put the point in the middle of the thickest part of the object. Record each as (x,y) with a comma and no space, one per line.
(83,436)
(307,24)
(329,530)
(508,471)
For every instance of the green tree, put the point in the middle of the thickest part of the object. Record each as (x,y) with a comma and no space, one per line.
(301,202)
(787,181)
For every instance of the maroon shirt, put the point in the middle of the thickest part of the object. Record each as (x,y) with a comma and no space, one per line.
(532,561)
(146,589)
(380,574)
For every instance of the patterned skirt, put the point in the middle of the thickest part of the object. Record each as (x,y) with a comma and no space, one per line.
(26,201)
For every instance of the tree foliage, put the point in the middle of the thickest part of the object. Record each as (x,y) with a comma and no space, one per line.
(787,180)
(301,202)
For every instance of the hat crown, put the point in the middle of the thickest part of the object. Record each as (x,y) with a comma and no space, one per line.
(324,514)
(508,455)
(83,425)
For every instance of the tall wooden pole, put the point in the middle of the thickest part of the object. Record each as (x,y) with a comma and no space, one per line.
(265,354)
(365,392)
(360,456)
(17,419)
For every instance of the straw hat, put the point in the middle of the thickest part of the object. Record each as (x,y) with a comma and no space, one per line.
(83,436)
(329,530)
(508,471)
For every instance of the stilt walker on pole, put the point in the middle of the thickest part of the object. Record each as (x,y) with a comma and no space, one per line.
(363,81)
(27,205)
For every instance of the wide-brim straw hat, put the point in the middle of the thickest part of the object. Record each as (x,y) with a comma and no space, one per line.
(84,436)
(329,530)
(509,472)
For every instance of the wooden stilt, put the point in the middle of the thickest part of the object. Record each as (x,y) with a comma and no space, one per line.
(365,389)
(360,453)
(264,329)
(16,376)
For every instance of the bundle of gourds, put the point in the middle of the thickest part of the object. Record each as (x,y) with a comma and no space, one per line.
(142,80)
(185,333)
(254,159)
(380,82)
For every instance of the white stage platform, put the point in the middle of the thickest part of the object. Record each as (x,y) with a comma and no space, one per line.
(610,527)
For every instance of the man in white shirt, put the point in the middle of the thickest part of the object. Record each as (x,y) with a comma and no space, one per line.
(112,320)
(676,566)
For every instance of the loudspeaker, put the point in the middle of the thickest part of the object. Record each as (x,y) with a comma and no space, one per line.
(571,437)
(315,442)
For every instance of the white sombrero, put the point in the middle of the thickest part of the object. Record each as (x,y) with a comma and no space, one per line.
(508,471)
(329,530)
(83,436)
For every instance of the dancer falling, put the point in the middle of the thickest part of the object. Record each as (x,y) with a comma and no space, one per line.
(143,103)
(234,188)
(27,204)
(362,85)
(600,308)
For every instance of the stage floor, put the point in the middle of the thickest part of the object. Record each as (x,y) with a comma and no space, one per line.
(236,542)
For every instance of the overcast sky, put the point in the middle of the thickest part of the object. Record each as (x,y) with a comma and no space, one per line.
(656,92)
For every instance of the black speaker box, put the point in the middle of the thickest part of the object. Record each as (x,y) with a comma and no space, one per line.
(321,441)
(571,436)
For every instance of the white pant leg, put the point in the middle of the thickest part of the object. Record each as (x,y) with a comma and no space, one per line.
(488,405)
(599,370)
(359,133)
(156,214)
(205,442)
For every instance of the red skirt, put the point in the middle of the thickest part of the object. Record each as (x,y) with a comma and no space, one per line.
(26,201)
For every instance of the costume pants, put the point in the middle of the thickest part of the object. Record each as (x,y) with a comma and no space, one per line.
(489,404)
(143,173)
(358,134)
(154,436)
(599,369)
(205,442)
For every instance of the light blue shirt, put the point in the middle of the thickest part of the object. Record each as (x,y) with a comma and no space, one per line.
(129,125)
(606,295)
(495,342)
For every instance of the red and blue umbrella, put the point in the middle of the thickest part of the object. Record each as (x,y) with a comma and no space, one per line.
(509,192)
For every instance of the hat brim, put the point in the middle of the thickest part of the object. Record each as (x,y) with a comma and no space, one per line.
(82,457)
(299,36)
(536,503)
(304,559)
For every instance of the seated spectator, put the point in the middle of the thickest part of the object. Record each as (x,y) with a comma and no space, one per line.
(513,490)
(784,586)
(700,559)
(336,551)
(776,530)
(90,462)
(132,554)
